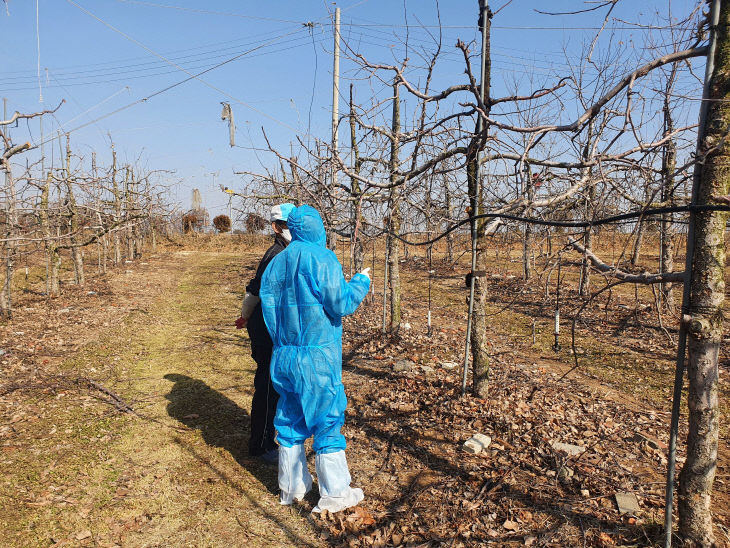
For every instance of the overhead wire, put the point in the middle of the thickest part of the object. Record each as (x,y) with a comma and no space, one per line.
(38,48)
(206,12)
(172,63)
(80,82)
(62,75)
(545,62)
(504,65)
(160,92)
(137,60)
(613,219)
(376,28)
(60,124)
(153,65)
(371,23)
(226,14)
(94,107)
(180,68)
(191,76)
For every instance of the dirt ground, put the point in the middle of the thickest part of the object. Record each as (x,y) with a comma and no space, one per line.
(124,419)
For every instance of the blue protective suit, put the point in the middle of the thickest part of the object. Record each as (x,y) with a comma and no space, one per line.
(304,296)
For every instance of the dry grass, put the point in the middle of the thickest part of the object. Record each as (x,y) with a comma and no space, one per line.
(177,475)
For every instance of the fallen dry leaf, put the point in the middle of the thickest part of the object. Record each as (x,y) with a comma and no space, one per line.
(81,535)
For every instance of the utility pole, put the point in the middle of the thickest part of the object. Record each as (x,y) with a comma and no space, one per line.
(230,193)
(335,118)
(43,152)
(336,81)
(475,341)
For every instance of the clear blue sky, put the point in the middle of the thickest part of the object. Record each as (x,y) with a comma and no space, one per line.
(89,63)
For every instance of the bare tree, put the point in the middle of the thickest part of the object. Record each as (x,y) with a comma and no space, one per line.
(706,297)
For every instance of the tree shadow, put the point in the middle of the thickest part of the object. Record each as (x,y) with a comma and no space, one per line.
(416,450)
(220,420)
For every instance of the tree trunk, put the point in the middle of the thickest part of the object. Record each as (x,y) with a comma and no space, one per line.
(117,210)
(584,287)
(527,235)
(52,258)
(55,262)
(6,304)
(667,259)
(707,295)
(103,245)
(394,223)
(669,164)
(356,250)
(478,341)
(73,222)
(6,299)
(549,242)
(638,241)
(54,285)
(78,262)
(128,184)
(406,249)
(117,248)
(138,244)
(450,235)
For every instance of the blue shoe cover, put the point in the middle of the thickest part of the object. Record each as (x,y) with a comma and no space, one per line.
(335,493)
(295,481)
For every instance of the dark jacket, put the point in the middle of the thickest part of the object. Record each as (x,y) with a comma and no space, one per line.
(256,327)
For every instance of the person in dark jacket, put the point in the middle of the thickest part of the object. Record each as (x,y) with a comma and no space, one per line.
(263,407)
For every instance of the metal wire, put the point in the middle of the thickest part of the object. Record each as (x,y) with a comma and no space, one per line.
(613,219)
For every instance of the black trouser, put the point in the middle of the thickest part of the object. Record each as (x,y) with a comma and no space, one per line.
(263,405)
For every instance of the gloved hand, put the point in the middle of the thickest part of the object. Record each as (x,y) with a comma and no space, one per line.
(366,272)
(241,322)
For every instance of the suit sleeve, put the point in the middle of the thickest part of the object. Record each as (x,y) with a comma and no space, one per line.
(271,286)
(340,297)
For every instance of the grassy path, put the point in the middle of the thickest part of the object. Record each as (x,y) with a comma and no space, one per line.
(177,476)
(76,472)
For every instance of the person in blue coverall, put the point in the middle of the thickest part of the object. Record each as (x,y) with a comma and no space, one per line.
(304,296)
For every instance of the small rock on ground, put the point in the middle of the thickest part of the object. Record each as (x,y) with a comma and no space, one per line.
(477,443)
(627,503)
(569,448)
(402,365)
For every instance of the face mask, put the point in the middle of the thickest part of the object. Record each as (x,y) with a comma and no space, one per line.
(286,235)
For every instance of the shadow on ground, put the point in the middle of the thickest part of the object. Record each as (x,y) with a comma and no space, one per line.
(220,420)
(224,424)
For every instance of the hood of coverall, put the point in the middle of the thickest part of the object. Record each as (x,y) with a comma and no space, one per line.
(305,224)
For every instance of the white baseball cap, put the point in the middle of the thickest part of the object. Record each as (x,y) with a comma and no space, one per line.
(281,212)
